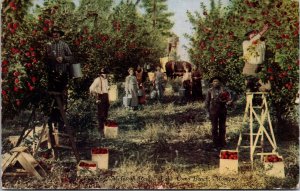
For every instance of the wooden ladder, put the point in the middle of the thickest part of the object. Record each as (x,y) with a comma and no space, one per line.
(55,136)
(259,114)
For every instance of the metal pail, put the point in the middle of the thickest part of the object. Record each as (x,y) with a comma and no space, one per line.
(76,70)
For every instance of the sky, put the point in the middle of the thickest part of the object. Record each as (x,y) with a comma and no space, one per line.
(182,25)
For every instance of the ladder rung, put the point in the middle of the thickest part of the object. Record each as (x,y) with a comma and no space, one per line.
(62,134)
(63,146)
(257,107)
(247,146)
(249,133)
(266,153)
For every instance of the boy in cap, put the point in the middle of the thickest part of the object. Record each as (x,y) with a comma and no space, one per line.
(215,103)
(99,89)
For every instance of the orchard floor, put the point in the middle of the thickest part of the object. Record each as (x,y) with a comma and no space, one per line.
(162,146)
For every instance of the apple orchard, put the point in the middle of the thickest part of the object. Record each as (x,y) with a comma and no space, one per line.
(122,37)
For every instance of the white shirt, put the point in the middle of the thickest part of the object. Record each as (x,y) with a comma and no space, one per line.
(254,50)
(187,76)
(99,86)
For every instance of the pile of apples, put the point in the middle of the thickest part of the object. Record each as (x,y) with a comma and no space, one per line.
(99,151)
(111,124)
(272,158)
(233,155)
(87,165)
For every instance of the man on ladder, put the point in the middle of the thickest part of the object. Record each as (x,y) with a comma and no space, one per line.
(256,111)
(58,60)
(254,55)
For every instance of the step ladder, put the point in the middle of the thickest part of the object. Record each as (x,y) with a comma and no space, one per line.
(257,114)
(55,136)
(19,156)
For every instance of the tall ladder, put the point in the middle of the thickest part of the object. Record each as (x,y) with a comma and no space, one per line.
(57,97)
(260,114)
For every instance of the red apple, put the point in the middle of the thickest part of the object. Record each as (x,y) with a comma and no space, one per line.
(18,102)
(15,25)
(45,29)
(33,79)
(4,62)
(16,73)
(22,42)
(4,92)
(10,25)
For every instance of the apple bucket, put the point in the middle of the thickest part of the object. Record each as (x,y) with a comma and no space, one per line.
(86,168)
(228,162)
(76,70)
(110,129)
(274,165)
(100,156)
(127,100)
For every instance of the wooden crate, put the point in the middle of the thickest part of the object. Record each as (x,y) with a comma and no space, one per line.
(274,166)
(86,168)
(29,166)
(100,156)
(228,162)
(111,129)
(113,93)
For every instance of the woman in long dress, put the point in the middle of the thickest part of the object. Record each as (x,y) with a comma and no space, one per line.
(131,88)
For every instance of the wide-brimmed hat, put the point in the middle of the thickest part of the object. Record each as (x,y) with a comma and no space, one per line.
(104,70)
(215,78)
(56,29)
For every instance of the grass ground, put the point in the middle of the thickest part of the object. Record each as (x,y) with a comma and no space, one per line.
(164,145)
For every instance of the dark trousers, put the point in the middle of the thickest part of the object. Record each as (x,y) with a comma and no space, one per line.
(218,122)
(103,106)
(187,87)
(197,90)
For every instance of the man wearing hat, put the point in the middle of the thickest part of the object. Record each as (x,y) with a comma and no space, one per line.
(58,59)
(99,89)
(254,55)
(217,99)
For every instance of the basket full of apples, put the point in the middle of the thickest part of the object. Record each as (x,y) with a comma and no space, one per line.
(100,156)
(274,166)
(86,168)
(110,129)
(228,162)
